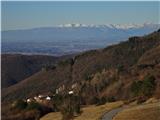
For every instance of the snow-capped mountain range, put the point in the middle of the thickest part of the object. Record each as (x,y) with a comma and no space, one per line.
(117,26)
(70,38)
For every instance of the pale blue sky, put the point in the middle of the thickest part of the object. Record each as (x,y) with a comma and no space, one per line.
(22,15)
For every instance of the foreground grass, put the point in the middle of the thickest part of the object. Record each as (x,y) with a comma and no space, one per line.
(95,112)
(141,112)
(89,113)
(52,116)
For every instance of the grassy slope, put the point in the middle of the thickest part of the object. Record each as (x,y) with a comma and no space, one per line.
(126,53)
(152,57)
(89,113)
(147,58)
(141,112)
(17,67)
(41,82)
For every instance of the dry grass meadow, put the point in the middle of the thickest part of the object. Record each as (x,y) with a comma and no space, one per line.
(147,111)
(89,113)
(140,112)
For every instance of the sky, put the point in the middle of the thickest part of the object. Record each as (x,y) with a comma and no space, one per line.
(24,15)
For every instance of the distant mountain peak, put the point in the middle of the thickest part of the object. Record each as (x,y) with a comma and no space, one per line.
(115,26)
(73,25)
(70,38)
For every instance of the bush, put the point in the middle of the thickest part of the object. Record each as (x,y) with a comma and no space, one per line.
(136,87)
(67,113)
(68,105)
(148,85)
(102,101)
(141,100)
(95,100)
(68,61)
(111,99)
(19,104)
(57,101)
(145,87)
(77,109)
(33,105)
(88,77)
(48,67)
(120,68)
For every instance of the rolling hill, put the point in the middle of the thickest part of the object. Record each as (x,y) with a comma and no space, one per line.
(16,67)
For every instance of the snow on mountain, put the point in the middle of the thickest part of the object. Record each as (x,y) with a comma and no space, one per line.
(79,32)
(73,25)
(70,38)
(116,26)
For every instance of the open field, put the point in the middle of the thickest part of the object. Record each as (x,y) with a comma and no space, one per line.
(140,112)
(89,113)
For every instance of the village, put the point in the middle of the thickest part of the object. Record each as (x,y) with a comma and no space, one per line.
(46,99)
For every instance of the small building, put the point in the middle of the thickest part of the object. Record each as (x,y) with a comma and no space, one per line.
(40,96)
(70,92)
(36,98)
(48,98)
(28,100)
(57,91)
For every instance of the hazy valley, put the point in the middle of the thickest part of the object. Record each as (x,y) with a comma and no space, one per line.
(70,38)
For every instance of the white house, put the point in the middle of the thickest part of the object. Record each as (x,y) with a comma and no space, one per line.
(48,98)
(70,92)
(28,100)
(57,91)
(35,97)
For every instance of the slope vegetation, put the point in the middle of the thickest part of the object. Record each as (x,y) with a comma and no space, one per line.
(116,67)
(17,67)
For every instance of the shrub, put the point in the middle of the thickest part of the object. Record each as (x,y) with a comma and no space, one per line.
(145,87)
(120,68)
(77,109)
(111,99)
(68,105)
(99,68)
(88,77)
(148,85)
(67,113)
(141,100)
(95,100)
(19,104)
(136,87)
(33,105)
(68,61)
(102,101)
(57,101)
(48,67)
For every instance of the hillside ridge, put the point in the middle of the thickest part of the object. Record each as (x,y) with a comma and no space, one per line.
(83,69)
